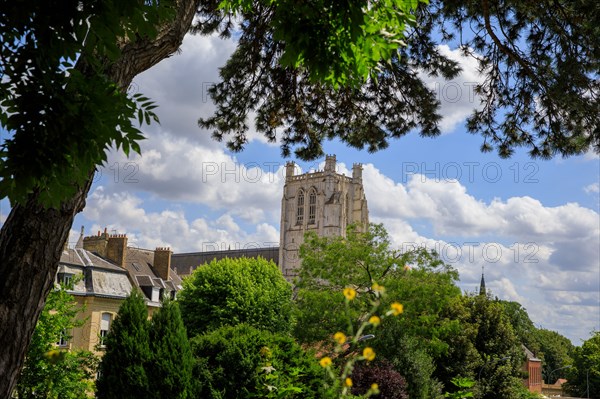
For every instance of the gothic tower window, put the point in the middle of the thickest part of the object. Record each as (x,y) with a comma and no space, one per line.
(312,206)
(300,210)
(348,210)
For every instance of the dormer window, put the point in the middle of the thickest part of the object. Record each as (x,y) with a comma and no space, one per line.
(64,279)
(300,208)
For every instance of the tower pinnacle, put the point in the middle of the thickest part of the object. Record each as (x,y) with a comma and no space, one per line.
(482,290)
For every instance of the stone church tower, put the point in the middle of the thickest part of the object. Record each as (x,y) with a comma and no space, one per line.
(324,202)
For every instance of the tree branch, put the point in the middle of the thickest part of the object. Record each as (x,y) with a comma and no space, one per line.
(138,56)
(485,6)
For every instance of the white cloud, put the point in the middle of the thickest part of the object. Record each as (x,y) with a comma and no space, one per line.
(176,169)
(457,96)
(124,213)
(179,86)
(591,155)
(452,211)
(592,188)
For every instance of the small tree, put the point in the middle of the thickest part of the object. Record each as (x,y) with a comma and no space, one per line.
(585,374)
(122,370)
(170,371)
(416,278)
(234,291)
(50,372)
(557,351)
(498,367)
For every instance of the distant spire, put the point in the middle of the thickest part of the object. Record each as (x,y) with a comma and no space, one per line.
(80,240)
(482,285)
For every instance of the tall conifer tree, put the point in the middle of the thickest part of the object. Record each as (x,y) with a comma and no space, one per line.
(122,370)
(170,371)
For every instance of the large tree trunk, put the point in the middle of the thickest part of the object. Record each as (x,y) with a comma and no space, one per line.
(32,237)
(31,242)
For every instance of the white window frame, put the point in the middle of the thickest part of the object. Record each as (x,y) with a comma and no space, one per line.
(64,279)
(105,325)
(63,339)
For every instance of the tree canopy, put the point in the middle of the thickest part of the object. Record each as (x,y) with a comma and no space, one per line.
(228,292)
(584,377)
(362,260)
(540,84)
(146,359)
(442,334)
(56,94)
(320,71)
(556,352)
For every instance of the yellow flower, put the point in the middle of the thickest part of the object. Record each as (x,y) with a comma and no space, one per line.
(325,362)
(348,382)
(339,337)
(349,293)
(375,388)
(397,308)
(375,320)
(380,289)
(369,353)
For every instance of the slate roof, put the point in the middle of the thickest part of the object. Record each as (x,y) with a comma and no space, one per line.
(185,263)
(144,281)
(103,278)
(81,257)
(139,262)
(100,277)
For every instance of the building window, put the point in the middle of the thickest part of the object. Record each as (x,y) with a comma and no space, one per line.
(300,211)
(64,279)
(104,328)
(312,206)
(63,339)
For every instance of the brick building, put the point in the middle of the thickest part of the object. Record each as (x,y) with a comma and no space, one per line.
(108,271)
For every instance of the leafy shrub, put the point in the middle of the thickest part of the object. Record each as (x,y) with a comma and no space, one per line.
(244,362)
(233,291)
(390,383)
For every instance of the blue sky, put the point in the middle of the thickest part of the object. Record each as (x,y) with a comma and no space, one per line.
(533,224)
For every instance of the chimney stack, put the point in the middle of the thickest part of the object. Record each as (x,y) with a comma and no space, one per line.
(162,262)
(96,244)
(116,249)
